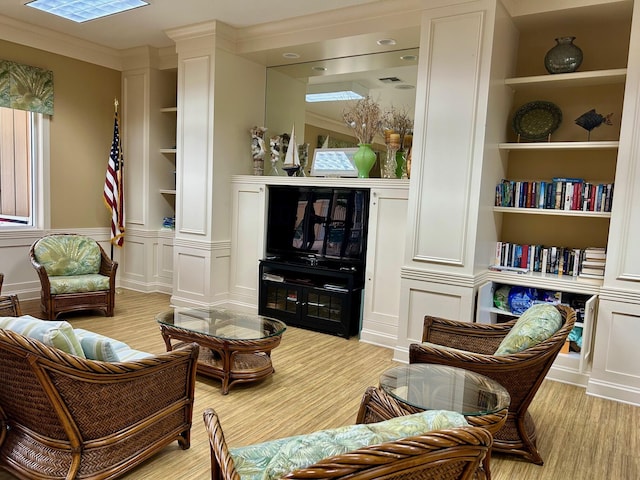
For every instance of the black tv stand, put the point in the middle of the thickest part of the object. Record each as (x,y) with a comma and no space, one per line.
(312,293)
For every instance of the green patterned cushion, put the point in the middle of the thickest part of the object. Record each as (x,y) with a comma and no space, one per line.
(57,334)
(272,460)
(68,255)
(536,324)
(96,346)
(93,282)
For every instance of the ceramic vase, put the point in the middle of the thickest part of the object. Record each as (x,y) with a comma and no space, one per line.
(365,159)
(565,57)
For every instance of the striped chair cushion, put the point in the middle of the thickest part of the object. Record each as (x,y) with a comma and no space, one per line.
(57,334)
(100,347)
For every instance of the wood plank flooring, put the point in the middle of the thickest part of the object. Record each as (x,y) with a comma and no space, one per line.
(318,383)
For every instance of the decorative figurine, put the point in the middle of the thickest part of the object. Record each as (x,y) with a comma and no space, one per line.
(291,163)
(592,119)
(258,149)
(275,143)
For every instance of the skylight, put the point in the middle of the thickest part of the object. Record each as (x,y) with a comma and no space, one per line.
(332,96)
(335,92)
(85,10)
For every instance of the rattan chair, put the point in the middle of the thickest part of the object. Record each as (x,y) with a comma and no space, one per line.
(55,303)
(65,417)
(471,346)
(451,454)
(10,306)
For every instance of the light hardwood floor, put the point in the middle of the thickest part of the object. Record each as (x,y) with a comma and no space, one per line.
(318,383)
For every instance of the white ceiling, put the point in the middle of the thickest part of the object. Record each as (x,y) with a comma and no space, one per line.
(146,25)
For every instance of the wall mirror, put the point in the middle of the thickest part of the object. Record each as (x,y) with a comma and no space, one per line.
(389,77)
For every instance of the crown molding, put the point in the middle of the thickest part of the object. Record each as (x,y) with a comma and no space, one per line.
(348,21)
(44,39)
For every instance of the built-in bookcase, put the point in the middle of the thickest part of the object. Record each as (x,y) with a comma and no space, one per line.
(570,151)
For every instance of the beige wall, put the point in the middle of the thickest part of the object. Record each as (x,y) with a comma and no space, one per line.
(81,134)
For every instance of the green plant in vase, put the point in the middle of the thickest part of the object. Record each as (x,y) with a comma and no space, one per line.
(366,118)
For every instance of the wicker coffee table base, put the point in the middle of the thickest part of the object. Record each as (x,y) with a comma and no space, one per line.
(229,360)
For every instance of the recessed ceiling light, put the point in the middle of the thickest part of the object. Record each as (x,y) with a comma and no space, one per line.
(84,10)
(409,58)
(291,55)
(405,86)
(386,41)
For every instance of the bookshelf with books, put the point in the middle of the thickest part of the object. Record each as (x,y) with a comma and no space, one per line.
(555,196)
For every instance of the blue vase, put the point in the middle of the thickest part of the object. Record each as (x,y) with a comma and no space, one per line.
(365,158)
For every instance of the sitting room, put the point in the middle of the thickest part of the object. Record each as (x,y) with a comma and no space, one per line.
(464,175)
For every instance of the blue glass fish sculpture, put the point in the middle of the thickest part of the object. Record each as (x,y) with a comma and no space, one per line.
(592,119)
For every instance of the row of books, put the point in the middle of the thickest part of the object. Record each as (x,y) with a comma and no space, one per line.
(560,193)
(556,260)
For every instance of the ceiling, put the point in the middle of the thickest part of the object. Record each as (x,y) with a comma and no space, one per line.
(146,25)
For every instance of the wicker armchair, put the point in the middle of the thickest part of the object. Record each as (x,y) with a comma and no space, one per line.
(10,306)
(451,454)
(65,417)
(75,274)
(472,346)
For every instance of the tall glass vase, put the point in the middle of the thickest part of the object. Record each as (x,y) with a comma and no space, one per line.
(390,164)
(365,159)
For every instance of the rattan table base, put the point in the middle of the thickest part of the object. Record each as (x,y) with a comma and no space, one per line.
(229,360)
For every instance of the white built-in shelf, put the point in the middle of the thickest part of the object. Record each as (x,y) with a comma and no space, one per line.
(575,79)
(167,191)
(599,145)
(168,150)
(507,313)
(548,281)
(551,211)
(169,109)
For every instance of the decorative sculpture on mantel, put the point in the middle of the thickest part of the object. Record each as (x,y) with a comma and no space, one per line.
(258,149)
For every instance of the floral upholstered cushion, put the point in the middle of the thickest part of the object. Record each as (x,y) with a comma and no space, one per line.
(58,334)
(93,282)
(272,460)
(68,255)
(536,324)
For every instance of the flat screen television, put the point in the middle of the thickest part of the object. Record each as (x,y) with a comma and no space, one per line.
(321,222)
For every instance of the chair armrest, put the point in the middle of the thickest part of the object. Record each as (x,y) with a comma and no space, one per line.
(108,267)
(439,452)
(41,271)
(222,466)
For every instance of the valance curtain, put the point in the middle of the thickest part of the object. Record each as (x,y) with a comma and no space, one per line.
(24,87)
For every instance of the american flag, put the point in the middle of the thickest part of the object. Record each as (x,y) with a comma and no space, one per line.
(114,187)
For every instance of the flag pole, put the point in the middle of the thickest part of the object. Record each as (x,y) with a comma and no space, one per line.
(115,110)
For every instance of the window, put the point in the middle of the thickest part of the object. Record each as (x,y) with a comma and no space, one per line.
(18,166)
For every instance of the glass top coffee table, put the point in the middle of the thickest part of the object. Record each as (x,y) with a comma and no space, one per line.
(413,388)
(235,346)
(423,386)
